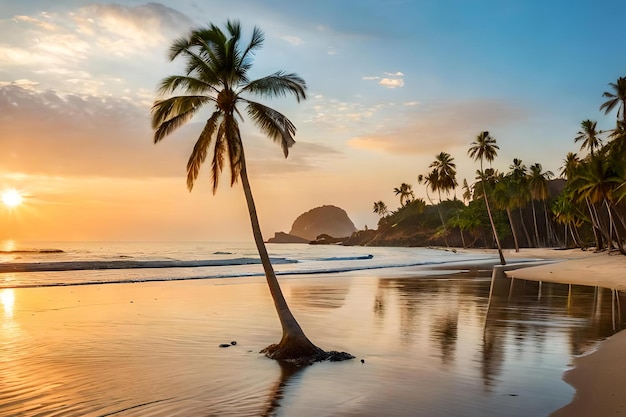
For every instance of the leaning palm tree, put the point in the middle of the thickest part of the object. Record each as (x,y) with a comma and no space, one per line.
(484,148)
(216,74)
(616,98)
(589,136)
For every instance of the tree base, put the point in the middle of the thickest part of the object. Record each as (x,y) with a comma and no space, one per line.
(303,355)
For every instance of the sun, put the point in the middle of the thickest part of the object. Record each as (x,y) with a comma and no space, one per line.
(12,198)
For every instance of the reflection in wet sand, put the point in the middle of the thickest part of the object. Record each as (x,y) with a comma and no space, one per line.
(428,343)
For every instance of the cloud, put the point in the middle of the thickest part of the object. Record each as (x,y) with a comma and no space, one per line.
(294,40)
(387,82)
(441,127)
(72,51)
(44,132)
(391,83)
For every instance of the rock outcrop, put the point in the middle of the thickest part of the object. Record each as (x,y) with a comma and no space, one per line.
(325,220)
(282,237)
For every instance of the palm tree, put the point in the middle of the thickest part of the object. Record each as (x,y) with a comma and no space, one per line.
(589,136)
(484,148)
(538,185)
(504,199)
(616,98)
(444,179)
(380,208)
(570,164)
(518,173)
(216,73)
(405,191)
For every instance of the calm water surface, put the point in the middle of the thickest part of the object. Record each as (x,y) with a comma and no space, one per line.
(432,346)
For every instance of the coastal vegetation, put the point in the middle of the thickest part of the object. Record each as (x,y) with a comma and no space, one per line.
(584,207)
(216,74)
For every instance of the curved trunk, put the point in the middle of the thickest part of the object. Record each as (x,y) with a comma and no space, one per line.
(508,213)
(594,225)
(294,344)
(618,237)
(493,226)
(524,228)
(535,223)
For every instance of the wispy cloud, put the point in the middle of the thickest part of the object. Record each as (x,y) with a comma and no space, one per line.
(392,79)
(294,40)
(441,127)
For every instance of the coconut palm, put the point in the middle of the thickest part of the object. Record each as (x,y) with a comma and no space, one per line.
(444,179)
(504,199)
(216,75)
(484,148)
(616,98)
(518,174)
(538,185)
(589,136)
(405,191)
(380,208)
(570,164)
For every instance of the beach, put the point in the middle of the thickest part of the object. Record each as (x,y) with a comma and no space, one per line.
(599,376)
(424,341)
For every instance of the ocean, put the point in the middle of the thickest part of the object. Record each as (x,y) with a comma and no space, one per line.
(78,339)
(36,264)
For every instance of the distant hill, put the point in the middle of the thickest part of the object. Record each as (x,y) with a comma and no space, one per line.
(326,220)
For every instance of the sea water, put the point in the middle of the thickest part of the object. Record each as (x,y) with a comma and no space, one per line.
(31,264)
(427,343)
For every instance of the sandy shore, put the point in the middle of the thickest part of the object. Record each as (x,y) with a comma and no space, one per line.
(600,376)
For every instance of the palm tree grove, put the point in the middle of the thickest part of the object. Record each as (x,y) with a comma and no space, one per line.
(526,206)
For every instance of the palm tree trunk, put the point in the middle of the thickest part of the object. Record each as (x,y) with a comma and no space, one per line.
(535,222)
(618,237)
(294,343)
(508,213)
(594,225)
(524,228)
(493,227)
(443,224)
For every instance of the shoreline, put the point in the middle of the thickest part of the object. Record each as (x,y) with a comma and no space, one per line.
(597,376)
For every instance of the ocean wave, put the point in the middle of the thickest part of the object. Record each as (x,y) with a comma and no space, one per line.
(129,264)
(22,251)
(347,258)
(239,274)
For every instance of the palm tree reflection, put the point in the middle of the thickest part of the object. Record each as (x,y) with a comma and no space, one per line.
(289,373)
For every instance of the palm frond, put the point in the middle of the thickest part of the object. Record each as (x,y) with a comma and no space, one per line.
(219,153)
(278,84)
(200,150)
(274,124)
(190,85)
(179,46)
(256,42)
(169,114)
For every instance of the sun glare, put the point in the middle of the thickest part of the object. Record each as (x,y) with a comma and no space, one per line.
(12,198)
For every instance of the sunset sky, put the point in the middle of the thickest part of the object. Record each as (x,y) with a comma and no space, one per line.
(391,83)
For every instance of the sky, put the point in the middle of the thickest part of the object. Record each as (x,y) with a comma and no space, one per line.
(390,84)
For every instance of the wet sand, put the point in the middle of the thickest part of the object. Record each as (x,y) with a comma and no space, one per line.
(153,349)
(600,376)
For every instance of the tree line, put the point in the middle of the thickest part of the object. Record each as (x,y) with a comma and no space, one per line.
(528,206)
